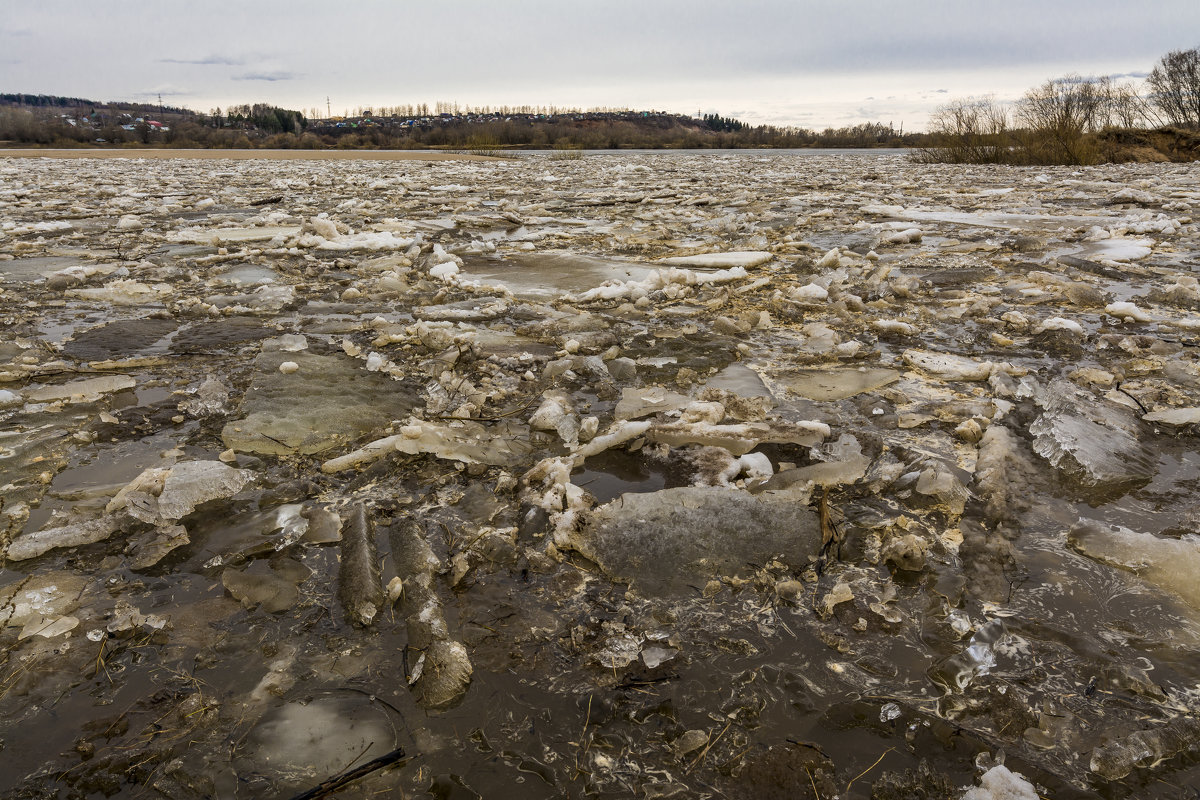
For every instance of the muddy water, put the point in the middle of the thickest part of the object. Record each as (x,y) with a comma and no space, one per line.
(893,480)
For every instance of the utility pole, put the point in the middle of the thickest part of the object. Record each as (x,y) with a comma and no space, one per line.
(160,106)
(328,112)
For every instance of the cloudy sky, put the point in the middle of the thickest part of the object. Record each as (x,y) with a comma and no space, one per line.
(789,62)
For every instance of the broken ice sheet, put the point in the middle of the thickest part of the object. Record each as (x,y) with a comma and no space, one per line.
(40,600)
(330,400)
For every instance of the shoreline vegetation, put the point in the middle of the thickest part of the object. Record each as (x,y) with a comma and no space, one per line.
(1072,120)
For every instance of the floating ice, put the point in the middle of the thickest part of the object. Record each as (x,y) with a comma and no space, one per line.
(720,260)
(999,783)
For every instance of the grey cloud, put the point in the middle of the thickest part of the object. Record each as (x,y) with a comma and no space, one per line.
(226,61)
(268,76)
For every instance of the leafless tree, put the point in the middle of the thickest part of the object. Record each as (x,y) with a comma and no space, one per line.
(1175,87)
(969,131)
(1059,114)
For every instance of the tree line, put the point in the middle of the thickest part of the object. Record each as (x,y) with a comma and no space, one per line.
(1075,120)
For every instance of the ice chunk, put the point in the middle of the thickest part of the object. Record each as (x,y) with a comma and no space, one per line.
(441,674)
(124,292)
(211,400)
(957,368)
(642,402)
(999,783)
(153,547)
(1175,416)
(720,260)
(1172,564)
(84,391)
(1128,312)
(1092,443)
(160,496)
(664,539)
(32,545)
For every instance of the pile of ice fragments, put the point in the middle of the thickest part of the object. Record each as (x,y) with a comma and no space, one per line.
(622,476)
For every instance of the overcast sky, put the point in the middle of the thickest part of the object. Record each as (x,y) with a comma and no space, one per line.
(797,62)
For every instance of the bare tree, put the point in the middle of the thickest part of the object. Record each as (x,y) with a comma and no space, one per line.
(969,130)
(1175,87)
(1127,108)
(1059,114)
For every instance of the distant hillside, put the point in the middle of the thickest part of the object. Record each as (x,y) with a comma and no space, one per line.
(71,121)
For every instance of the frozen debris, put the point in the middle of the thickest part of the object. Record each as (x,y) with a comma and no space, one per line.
(1000,783)
(1171,564)
(88,390)
(160,496)
(720,260)
(439,667)
(272,586)
(957,368)
(664,539)
(359,586)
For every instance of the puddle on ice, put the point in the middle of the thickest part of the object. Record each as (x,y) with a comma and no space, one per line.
(821,475)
